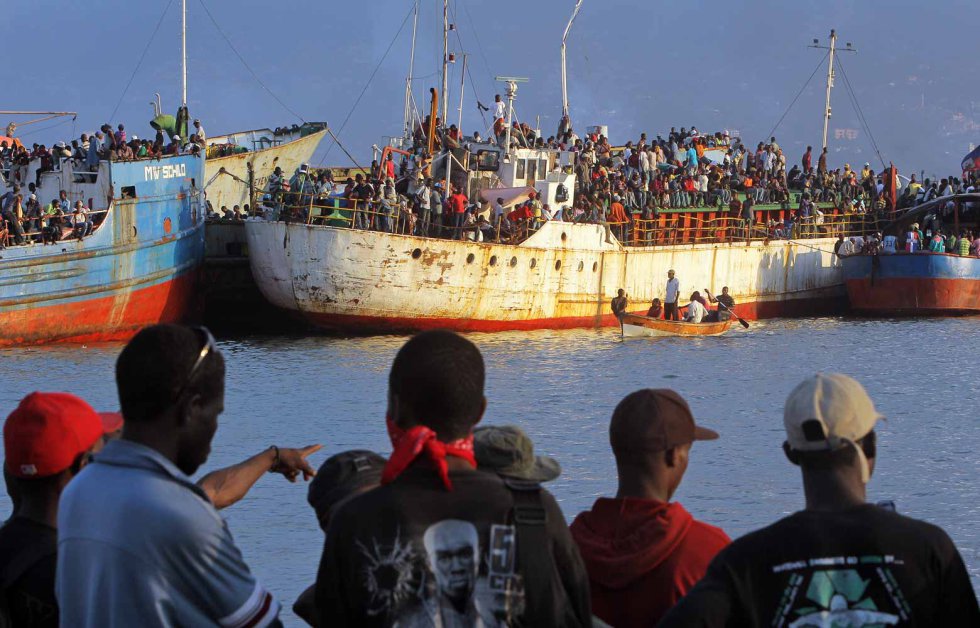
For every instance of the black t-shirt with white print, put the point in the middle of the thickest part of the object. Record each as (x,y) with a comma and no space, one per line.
(866,566)
(412,554)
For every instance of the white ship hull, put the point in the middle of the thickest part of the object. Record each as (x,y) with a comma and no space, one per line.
(563,276)
(229,187)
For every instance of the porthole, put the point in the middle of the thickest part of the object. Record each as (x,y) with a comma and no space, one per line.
(513,262)
(564,236)
(581,266)
(534,262)
(493,260)
(595,266)
(558,264)
(417,253)
(470,258)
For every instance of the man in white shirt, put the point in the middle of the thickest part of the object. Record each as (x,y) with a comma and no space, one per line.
(670,301)
(498,211)
(199,131)
(695,312)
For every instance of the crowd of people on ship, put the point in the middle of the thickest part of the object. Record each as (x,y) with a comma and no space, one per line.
(455,526)
(626,188)
(25,217)
(23,221)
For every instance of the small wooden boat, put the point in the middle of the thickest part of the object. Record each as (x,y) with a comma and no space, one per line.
(636,326)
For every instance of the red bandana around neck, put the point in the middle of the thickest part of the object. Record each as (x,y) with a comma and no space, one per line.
(411,443)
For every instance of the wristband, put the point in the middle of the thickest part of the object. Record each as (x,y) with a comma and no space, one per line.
(275,461)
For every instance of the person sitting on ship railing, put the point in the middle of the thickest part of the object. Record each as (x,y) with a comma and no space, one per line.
(33,215)
(80,221)
(53,218)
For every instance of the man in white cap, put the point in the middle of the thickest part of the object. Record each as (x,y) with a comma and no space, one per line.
(840,561)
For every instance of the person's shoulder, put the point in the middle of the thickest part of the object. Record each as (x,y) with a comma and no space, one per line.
(705,534)
(915,531)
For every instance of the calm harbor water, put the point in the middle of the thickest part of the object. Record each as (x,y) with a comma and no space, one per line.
(561,387)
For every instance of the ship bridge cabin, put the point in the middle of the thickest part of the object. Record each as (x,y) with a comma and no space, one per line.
(548,171)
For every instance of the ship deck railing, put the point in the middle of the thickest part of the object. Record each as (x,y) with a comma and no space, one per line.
(670,227)
(36,237)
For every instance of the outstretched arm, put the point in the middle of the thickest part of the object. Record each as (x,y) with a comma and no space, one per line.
(226,486)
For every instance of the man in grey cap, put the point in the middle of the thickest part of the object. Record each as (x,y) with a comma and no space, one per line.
(643,552)
(840,561)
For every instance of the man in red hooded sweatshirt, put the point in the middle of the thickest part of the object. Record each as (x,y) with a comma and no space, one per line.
(642,551)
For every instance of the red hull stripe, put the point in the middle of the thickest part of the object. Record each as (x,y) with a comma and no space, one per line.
(914,295)
(373,324)
(100,319)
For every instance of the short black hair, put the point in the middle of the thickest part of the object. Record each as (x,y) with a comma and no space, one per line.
(438,378)
(825,460)
(153,369)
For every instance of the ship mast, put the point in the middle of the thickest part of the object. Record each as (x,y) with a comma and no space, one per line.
(564,76)
(448,153)
(830,76)
(183,53)
(408,80)
(445,58)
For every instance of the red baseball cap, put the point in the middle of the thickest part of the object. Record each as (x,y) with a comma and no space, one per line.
(47,432)
(111,421)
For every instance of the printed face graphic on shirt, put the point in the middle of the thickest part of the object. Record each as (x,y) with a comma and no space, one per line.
(453,550)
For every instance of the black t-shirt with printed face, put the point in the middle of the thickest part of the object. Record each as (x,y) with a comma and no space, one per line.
(865,566)
(30,596)
(413,554)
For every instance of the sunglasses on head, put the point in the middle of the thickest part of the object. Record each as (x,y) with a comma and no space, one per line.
(209,347)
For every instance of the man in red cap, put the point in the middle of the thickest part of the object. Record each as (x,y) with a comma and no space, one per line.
(642,551)
(47,440)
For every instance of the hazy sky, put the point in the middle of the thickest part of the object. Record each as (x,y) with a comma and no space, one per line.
(633,65)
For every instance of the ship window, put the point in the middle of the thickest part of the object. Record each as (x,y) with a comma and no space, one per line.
(521,169)
(557,264)
(581,266)
(564,236)
(513,262)
(470,258)
(493,260)
(542,168)
(534,262)
(417,253)
(129,191)
(532,169)
(487,160)
(595,266)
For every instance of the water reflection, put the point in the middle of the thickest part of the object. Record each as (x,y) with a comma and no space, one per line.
(562,386)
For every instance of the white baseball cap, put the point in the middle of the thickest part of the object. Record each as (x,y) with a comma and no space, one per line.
(840,408)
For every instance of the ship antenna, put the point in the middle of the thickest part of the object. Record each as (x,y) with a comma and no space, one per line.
(408,80)
(564,76)
(512,82)
(449,153)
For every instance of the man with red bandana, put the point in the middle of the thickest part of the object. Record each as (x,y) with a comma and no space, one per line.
(440,542)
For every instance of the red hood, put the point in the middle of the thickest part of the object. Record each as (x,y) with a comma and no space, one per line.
(623,539)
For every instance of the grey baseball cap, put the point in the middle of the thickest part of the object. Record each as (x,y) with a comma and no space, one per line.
(507,450)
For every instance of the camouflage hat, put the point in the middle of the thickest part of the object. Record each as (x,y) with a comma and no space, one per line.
(507,450)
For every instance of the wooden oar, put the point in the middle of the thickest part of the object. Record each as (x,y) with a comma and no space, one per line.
(741,321)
